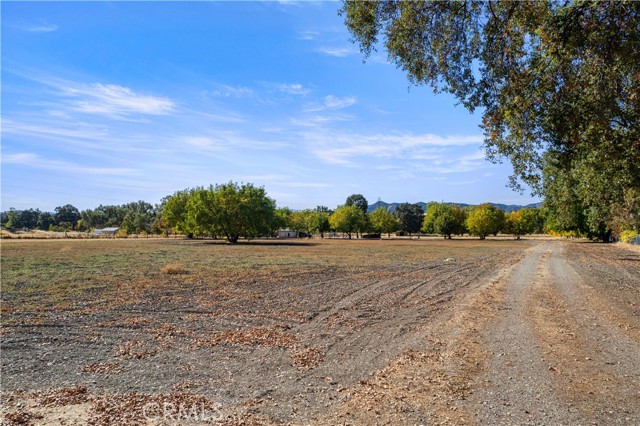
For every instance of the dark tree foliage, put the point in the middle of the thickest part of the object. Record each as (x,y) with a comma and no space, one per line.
(444,219)
(558,83)
(45,220)
(409,216)
(66,214)
(139,217)
(18,219)
(359,201)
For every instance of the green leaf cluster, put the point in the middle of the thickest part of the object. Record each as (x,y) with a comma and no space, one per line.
(381,221)
(409,217)
(521,222)
(444,219)
(484,220)
(229,210)
(348,219)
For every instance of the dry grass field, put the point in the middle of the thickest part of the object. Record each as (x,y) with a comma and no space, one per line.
(293,332)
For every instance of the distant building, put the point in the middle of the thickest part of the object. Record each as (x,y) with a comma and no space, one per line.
(287,233)
(106,231)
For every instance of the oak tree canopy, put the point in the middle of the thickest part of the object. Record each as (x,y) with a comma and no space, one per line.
(557,83)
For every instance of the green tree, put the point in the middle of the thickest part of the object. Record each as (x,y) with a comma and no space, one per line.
(520,222)
(484,220)
(174,213)
(282,219)
(444,219)
(300,221)
(409,217)
(241,211)
(381,221)
(200,219)
(347,219)
(311,221)
(139,217)
(359,201)
(557,83)
(45,220)
(626,213)
(321,218)
(22,218)
(66,214)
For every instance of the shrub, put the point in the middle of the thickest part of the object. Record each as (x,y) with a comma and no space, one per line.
(627,236)
(174,268)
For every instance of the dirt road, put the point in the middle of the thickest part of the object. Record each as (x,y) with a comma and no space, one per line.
(552,340)
(537,332)
(556,358)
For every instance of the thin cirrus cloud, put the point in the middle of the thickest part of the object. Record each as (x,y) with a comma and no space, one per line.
(332,102)
(293,89)
(286,181)
(228,91)
(345,147)
(338,52)
(115,101)
(50,131)
(308,35)
(40,28)
(37,161)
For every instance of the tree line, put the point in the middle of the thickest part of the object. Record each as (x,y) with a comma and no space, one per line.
(233,211)
(440,218)
(133,218)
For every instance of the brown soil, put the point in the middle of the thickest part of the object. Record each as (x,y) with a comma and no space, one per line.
(331,332)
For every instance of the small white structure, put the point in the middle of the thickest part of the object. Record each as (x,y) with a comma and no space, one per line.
(106,231)
(287,233)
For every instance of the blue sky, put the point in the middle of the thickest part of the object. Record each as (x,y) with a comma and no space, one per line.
(106,103)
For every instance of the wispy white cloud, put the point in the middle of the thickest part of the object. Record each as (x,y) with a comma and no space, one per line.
(66,167)
(334,102)
(293,89)
(227,91)
(115,101)
(343,148)
(105,99)
(202,142)
(339,52)
(50,131)
(331,102)
(223,116)
(461,183)
(307,185)
(318,120)
(285,181)
(308,35)
(40,28)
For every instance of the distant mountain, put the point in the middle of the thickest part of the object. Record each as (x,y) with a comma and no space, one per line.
(505,207)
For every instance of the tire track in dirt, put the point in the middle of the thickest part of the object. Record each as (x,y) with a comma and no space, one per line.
(555,358)
(393,314)
(430,382)
(596,366)
(519,388)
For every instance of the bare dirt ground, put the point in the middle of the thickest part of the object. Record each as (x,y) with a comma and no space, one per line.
(320,332)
